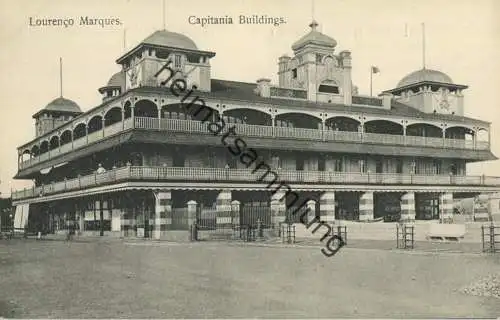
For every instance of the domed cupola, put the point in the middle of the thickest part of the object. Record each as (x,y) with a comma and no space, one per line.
(424,75)
(430,91)
(114,87)
(144,65)
(170,39)
(314,38)
(55,114)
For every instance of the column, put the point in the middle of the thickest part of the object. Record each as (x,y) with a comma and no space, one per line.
(191,212)
(278,208)
(408,207)
(446,207)
(327,207)
(366,206)
(163,210)
(235,211)
(311,211)
(223,207)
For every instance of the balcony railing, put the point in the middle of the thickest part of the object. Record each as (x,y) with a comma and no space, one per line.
(131,173)
(191,126)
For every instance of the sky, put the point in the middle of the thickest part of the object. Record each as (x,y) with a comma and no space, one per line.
(462,40)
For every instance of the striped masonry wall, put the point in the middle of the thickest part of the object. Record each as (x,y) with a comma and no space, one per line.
(446,205)
(327,207)
(278,208)
(223,207)
(408,206)
(366,206)
(163,212)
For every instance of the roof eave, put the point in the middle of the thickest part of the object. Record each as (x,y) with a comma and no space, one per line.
(124,57)
(399,89)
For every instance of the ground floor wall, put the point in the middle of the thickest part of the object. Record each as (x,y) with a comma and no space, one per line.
(160,214)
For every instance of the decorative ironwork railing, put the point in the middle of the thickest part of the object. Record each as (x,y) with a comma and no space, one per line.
(288,93)
(369,101)
(146,173)
(192,126)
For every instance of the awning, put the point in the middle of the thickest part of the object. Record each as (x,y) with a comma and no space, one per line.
(21,216)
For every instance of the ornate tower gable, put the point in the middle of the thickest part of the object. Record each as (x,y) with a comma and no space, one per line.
(144,65)
(430,91)
(316,69)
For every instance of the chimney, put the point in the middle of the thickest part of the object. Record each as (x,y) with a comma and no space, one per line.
(264,87)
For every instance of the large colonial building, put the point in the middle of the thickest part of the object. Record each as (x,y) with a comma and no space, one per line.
(133,164)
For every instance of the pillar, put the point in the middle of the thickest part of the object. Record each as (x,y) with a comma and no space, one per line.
(408,206)
(223,207)
(191,212)
(163,212)
(446,206)
(278,208)
(311,210)
(235,210)
(366,206)
(327,207)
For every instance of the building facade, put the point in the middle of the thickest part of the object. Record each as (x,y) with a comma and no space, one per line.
(147,157)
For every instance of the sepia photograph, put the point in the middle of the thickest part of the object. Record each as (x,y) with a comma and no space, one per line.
(249,159)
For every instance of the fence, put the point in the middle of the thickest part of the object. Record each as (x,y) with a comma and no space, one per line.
(287,233)
(490,237)
(405,236)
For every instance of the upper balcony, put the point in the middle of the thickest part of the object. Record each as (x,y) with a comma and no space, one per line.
(260,177)
(155,112)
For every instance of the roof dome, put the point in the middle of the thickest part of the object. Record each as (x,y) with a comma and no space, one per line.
(315,37)
(424,75)
(170,39)
(117,80)
(63,105)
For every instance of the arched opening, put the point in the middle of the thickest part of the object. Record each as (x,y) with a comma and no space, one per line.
(127,110)
(54,142)
(247,116)
(342,124)
(44,146)
(114,115)
(35,151)
(383,127)
(298,120)
(65,137)
(95,124)
(194,112)
(458,132)
(145,108)
(329,86)
(80,131)
(482,135)
(26,155)
(175,111)
(424,130)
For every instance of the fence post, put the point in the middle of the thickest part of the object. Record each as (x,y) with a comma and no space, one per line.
(492,239)
(482,236)
(191,219)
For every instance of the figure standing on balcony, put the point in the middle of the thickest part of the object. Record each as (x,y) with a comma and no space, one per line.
(100,169)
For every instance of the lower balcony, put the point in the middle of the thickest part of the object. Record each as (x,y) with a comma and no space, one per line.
(196,174)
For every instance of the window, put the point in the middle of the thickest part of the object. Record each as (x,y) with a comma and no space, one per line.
(362,165)
(399,166)
(294,73)
(328,89)
(338,165)
(177,61)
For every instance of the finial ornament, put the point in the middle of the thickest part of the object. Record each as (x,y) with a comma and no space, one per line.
(313,25)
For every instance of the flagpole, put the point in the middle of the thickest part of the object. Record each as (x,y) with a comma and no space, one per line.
(60,77)
(423,45)
(371,81)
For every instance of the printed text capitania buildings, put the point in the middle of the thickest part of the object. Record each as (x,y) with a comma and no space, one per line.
(130,165)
